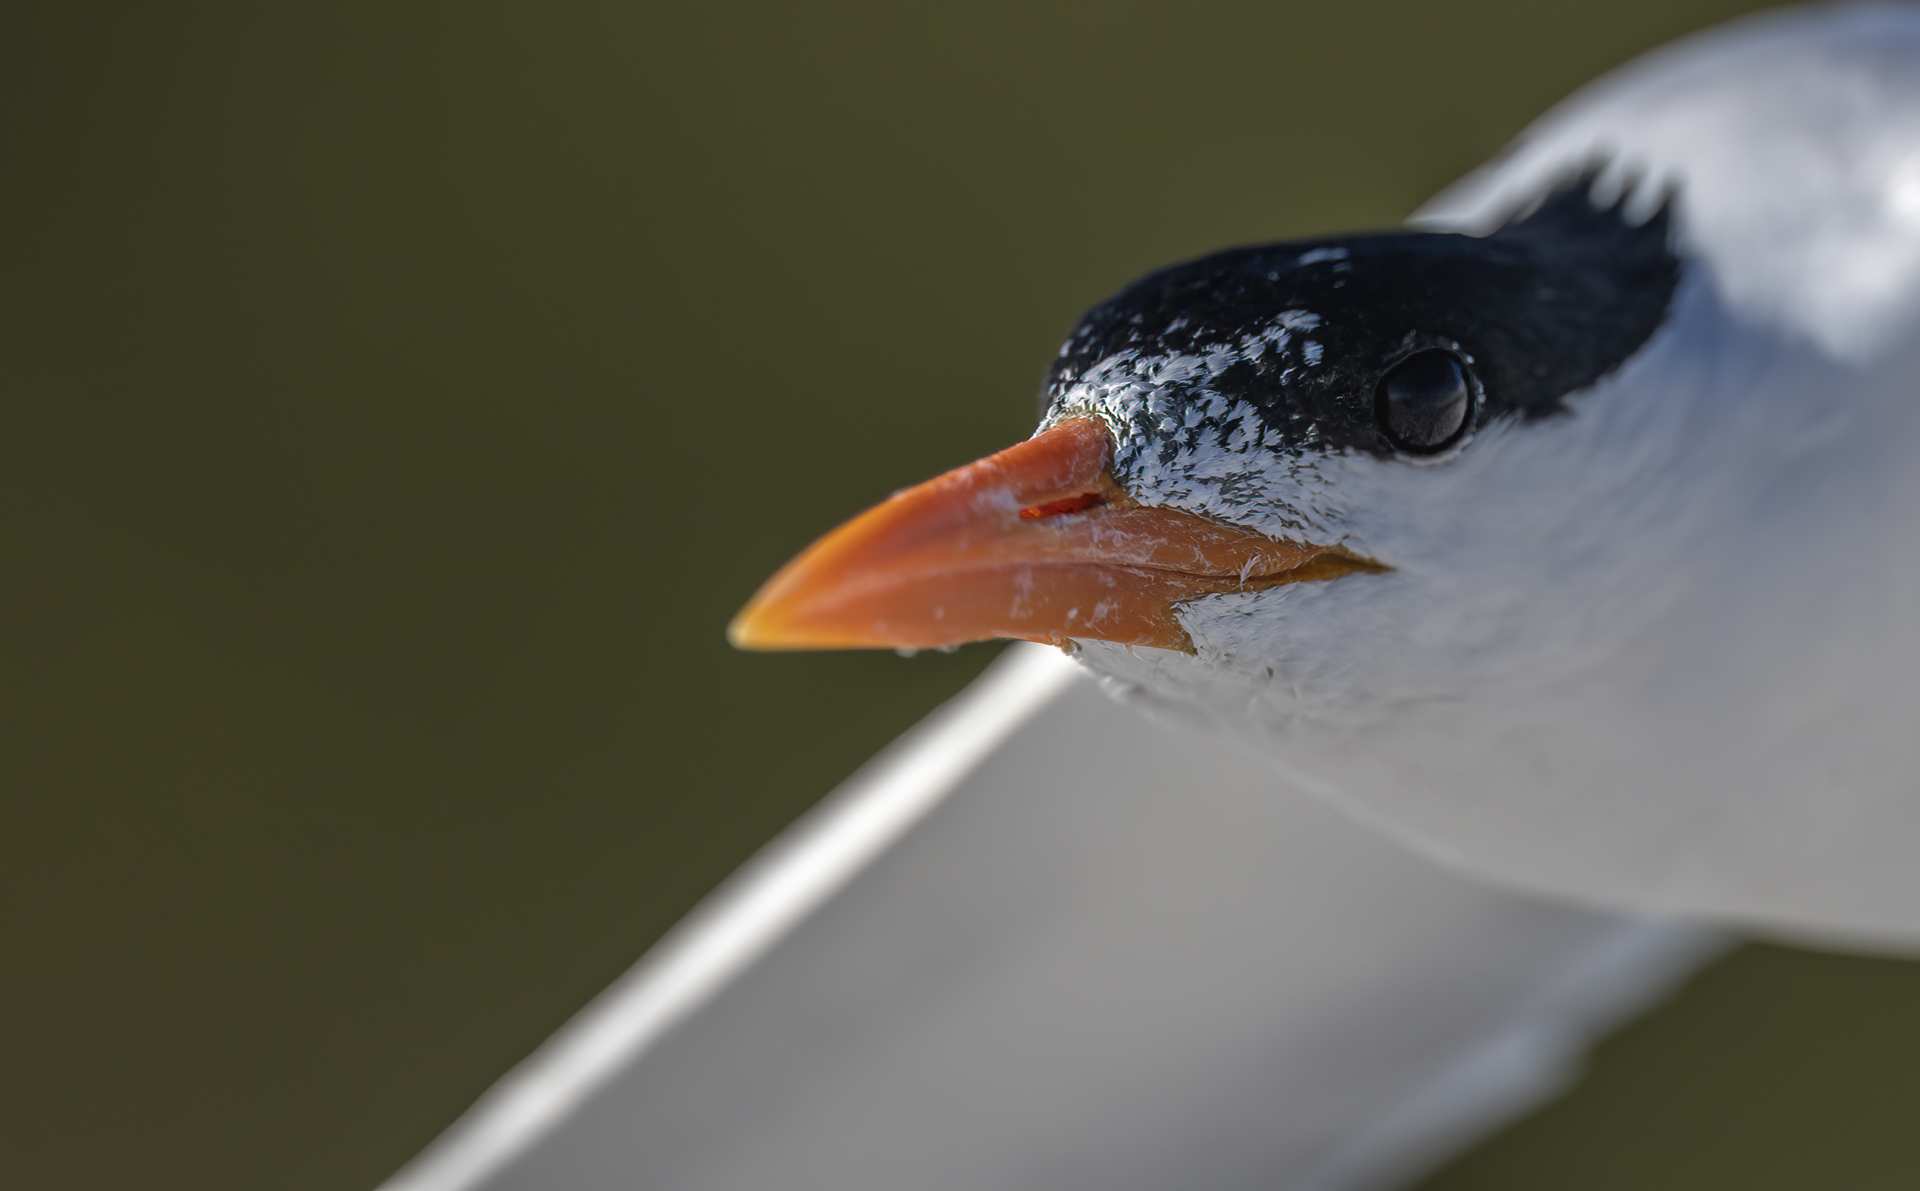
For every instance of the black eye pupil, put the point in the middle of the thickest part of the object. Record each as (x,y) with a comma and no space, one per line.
(1424,402)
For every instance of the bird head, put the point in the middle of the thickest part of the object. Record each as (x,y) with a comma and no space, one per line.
(1223,435)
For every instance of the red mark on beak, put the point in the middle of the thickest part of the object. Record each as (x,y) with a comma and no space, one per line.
(1072,504)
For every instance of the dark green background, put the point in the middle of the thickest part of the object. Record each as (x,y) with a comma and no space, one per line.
(399,398)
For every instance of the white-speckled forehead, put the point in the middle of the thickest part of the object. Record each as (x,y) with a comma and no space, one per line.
(1180,442)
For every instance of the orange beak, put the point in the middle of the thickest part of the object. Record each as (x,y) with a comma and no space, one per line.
(1036,542)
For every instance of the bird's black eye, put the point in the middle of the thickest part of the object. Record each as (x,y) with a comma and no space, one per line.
(1425,402)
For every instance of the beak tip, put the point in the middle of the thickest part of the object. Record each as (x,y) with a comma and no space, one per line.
(748,630)
(769,626)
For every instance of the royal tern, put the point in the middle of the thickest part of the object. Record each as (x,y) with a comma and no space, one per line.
(1570,548)
(1560,540)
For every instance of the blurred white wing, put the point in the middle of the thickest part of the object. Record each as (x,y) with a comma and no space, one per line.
(1042,943)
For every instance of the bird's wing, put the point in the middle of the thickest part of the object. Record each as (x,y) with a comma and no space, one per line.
(1042,943)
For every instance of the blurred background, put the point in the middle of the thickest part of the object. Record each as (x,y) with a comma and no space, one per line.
(400,397)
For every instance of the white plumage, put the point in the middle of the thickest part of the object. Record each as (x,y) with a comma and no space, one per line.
(1664,652)
(1654,654)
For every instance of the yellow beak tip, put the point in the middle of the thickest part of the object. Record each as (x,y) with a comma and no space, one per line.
(745,632)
